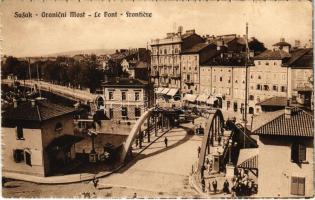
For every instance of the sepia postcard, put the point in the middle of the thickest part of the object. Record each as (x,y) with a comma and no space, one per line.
(194,99)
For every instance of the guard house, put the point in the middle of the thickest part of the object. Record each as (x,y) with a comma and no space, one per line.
(285,153)
(38,138)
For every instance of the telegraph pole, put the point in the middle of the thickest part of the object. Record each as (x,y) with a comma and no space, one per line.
(246,83)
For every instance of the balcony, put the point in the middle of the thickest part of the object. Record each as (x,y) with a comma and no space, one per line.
(164,74)
(175,76)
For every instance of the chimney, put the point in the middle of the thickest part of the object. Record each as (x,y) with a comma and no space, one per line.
(297,44)
(33,102)
(15,103)
(288,110)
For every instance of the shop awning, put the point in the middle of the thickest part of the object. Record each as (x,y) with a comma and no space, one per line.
(172,92)
(190,97)
(159,90)
(248,158)
(202,98)
(165,91)
(211,100)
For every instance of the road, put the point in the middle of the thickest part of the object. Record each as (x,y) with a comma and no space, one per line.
(158,171)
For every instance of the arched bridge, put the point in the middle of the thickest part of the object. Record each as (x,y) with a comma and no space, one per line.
(66,92)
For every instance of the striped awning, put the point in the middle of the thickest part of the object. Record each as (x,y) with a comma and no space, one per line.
(172,92)
(165,91)
(211,100)
(159,90)
(190,97)
(248,158)
(202,98)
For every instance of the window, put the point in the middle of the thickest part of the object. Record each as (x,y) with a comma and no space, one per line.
(58,127)
(137,112)
(283,89)
(124,112)
(266,87)
(298,153)
(267,63)
(220,78)
(111,113)
(110,95)
(258,62)
(235,106)
(251,97)
(258,87)
(251,76)
(19,133)
(275,63)
(28,158)
(18,155)
(123,95)
(137,96)
(298,186)
(259,77)
(275,88)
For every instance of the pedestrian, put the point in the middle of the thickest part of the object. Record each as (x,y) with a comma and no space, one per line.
(214,185)
(226,187)
(165,141)
(203,184)
(199,149)
(134,196)
(209,187)
(95,182)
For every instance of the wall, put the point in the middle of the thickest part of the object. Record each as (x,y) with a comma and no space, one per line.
(276,168)
(32,142)
(190,72)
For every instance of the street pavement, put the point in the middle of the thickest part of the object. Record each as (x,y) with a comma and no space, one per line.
(161,169)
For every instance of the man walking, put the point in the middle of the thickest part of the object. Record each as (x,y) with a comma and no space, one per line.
(165,141)
(214,185)
(199,149)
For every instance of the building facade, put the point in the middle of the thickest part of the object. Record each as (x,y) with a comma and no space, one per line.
(126,99)
(285,138)
(166,58)
(32,138)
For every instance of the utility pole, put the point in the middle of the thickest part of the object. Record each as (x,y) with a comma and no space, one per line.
(246,84)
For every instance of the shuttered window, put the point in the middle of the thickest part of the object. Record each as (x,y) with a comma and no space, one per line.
(298,153)
(18,155)
(298,186)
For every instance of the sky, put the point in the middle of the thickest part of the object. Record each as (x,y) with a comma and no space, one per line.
(268,21)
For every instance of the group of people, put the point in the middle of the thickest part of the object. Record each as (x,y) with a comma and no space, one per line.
(242,185)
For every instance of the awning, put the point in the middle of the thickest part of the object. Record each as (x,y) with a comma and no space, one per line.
(165,91)
(202,98)
(63,142)
(190,97)
(172,92)
(159,90)
(248,158)
(211,100)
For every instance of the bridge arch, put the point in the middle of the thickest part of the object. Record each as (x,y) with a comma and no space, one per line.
(214,129)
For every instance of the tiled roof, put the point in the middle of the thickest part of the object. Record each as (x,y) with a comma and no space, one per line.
(248,158)
(121,82)
(299,124)
(197,48)
(301,58)
(43,110)
(274,101)
(272,55)
(281,44)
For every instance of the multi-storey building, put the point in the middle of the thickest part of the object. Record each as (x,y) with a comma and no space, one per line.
(166,58)
(126,99)
(191,59)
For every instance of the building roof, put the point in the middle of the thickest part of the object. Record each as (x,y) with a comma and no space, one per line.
(300,123)
(274,101)
(301,58)
(125,82)
(197,48)
(43,110)
(248,158)
(281,44)
(272,55)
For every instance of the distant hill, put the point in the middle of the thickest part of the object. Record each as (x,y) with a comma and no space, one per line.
(87,51)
